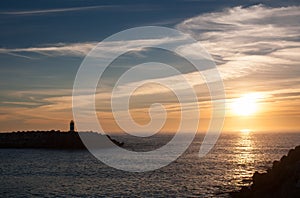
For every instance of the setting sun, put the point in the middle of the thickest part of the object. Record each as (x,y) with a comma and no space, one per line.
(245,105)
(245,131)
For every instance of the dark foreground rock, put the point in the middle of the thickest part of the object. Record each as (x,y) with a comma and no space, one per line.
(282,180)
(55,140)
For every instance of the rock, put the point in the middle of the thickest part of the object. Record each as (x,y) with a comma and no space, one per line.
(282,180)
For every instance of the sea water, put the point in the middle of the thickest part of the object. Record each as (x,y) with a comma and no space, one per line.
(66,173)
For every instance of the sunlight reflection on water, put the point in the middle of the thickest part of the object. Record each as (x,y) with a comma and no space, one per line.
(77,173)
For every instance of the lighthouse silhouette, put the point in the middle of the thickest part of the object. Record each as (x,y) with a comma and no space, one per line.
(72,126)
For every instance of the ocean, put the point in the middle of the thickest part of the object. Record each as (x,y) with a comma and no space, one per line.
(70,173)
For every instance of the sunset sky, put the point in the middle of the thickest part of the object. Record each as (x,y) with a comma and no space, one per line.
(255,45)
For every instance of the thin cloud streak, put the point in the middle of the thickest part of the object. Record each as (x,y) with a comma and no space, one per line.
(124,8)
(83,48)
(59,49)
(58,10)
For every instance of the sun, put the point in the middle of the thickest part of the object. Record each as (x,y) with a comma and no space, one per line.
(246,105)
(245,130)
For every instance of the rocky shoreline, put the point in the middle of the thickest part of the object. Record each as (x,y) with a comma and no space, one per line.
(282,180)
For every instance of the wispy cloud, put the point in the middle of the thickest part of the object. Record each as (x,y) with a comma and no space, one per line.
(57,10)
(124,8)
(245,40)
(59,49)
(107,48)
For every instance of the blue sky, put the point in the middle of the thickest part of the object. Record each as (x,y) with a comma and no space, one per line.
(44,42)
(33,23)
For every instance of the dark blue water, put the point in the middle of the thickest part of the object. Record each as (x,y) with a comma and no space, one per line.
(230,165)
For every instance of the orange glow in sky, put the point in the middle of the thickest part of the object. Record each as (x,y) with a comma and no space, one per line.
(246,105)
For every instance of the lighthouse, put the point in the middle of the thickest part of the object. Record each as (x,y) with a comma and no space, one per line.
(72,126)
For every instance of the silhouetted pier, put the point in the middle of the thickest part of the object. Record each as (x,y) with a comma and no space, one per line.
(51,140)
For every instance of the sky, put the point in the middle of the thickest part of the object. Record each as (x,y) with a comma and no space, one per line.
(255,45)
